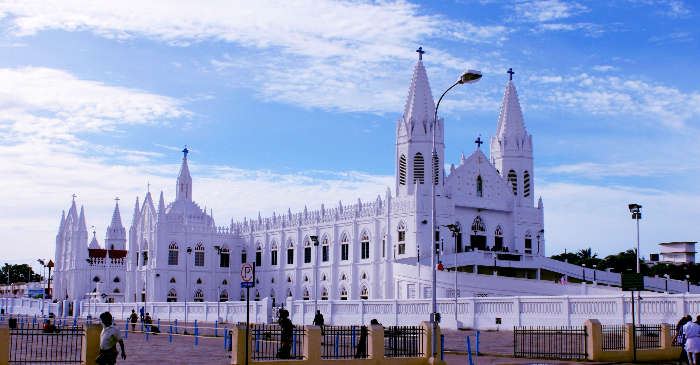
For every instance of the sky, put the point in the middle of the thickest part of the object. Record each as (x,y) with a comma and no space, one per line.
(292,104)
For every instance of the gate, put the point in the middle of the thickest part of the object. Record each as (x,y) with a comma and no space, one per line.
(34,345)
(567,343)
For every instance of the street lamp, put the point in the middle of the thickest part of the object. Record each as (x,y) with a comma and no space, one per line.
(456,230)
(594,276)
(187,280)
(583,270)
(687,282)
(636,211)
(314,239)
(468,77)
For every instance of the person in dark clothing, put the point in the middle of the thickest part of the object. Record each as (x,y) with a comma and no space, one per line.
(679,338)
(287,335)
(133,318)
(148,321)
(318,321)
(361,351)
(109,338)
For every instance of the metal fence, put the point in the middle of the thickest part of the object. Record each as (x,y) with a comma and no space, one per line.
(34,345)
(613,337)
(550,342)
(404,341)
(269,344)
(648,336)
(344,342)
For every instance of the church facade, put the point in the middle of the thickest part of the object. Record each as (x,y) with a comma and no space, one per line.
(176,251)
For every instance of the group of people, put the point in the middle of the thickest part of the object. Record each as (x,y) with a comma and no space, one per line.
(146,319)
(688,335)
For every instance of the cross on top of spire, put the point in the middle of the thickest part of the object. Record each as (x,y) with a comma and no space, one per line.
(478,142)
(185,151)
(116,199)
(74,196)
(420,53)
(510,73)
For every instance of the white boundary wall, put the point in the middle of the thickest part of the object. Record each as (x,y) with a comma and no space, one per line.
(480,313)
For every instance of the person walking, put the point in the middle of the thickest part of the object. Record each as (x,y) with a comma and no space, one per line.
(318,321)
(109,338)
(691,330)
(679,338)
(361,351)
(133,318)
(287,335)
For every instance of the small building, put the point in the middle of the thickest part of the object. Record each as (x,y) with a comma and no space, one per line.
(677,252)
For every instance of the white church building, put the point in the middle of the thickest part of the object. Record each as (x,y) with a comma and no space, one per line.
(377,249)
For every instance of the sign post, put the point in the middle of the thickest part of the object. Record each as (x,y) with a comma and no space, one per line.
(633,282)
(247,282)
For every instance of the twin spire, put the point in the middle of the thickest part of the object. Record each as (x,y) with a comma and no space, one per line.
(420,106)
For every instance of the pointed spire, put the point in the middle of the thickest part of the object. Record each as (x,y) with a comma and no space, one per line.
(420,105)
(93,243)
(82,227)
(136,209)
(184,180)
(161,203)
(73,211)
(63,220)
(510,119)
(116,216)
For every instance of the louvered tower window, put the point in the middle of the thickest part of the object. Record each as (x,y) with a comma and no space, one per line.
(479,186)
(513,178)
(436,169)
(526,183)
(402,170)
(418,169)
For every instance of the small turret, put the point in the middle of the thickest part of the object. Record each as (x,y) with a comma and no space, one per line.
(183,190)
(116,234)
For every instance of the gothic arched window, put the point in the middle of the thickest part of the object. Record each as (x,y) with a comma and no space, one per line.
(224,256)
(223,296)
(172,280)
(402,238)
(172,295)
(364,246)
(402,170)
(436,169)
(325,248)
(173,253)
(343,293)
(479,186)
(324,293)
(528,242)
(478,238)
(498,239)
(290,252)
(418,168)
(513,178)
(344,247)
(526,184)
(258,255)
(306,294)
(307,250)
(364,292)
(199,295)
(273,254)
(199,255)
(478,225)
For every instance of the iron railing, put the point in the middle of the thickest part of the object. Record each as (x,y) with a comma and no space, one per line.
(550,342)
(404,341)
(344,342)
(34,345)
(267,343)
(613,337)
(648,336)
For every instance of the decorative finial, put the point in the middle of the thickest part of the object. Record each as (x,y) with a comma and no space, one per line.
(117,199)
(74,196)
(185,151)
(420,53)
(511,72)
(93,231)
(148,183)
(478,142)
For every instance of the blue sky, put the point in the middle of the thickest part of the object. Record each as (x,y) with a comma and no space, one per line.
(296,104)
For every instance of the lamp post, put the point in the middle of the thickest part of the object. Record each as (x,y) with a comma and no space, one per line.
(583,271)
(187,280)
(594,275)
(314,239)
(636,211)
(455,229)
(687,282)
(468,77)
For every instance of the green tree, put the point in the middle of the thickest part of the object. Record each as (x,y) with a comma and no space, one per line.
(21,273)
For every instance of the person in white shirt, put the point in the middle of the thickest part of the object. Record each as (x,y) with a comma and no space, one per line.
(691,330)
(109,338)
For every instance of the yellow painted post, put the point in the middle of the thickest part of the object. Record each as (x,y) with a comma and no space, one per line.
(312,344)
(376,342)
(4,346)
(666,338)
(238,342)
(427,339)
(594,342)
(629,338)
(91,344)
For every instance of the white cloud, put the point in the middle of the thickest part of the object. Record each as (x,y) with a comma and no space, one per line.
(547,10)
(604,68)
(322,53)
(588,29)
(676,37)
(622,169)
(613,95)
(580,216)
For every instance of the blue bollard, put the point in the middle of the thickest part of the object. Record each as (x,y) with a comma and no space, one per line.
(336,345)
(477,343)
(216,328)
(142,327)
(147,333)
(196,333)
(225,338)
(176,326)
(469,350)
(442,347)
(294,345)
(75,322)
(257,342)
(158,323)
(170,334)
(352,335)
